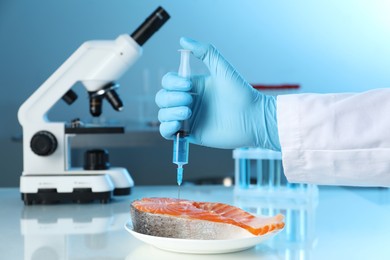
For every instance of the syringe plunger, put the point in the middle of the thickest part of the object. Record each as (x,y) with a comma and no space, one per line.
(184,67)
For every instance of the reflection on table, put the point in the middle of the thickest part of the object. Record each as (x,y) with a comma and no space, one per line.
(323,227)
(61,231)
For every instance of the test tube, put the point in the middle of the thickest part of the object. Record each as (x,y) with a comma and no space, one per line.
(271,174)
(259,173)
(245,173)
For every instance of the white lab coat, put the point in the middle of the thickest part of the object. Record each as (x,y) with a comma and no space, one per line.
(341,139)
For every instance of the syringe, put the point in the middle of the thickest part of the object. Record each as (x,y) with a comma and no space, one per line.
(180,142)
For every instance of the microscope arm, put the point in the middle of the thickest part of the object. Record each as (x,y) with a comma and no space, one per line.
(95,64)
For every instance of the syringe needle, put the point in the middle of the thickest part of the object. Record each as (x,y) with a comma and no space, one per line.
(179,179)
(179,175)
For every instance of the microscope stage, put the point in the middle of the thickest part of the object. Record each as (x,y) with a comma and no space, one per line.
(95,130)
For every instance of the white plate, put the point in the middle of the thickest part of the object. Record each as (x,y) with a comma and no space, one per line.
(192,246)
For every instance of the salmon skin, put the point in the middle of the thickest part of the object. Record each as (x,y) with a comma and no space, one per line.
(178,218)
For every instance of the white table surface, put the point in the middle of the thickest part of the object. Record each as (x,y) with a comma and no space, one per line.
(344,223)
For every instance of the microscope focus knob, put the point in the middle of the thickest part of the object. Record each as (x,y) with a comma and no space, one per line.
(43,143)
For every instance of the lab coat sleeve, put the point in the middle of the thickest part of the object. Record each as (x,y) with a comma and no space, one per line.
(336,139)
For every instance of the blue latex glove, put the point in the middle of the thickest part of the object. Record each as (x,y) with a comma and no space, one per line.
(224,110)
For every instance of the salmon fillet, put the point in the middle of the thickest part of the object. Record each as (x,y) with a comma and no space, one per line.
(177,218)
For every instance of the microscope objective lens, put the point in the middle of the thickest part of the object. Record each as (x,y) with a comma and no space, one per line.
(95,105)
(114,99)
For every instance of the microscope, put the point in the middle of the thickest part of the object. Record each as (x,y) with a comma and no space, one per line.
(48,176)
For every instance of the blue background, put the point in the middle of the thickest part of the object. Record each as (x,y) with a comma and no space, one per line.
(325,46)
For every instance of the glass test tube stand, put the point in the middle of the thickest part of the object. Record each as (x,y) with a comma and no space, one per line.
(262,188)
(259,174)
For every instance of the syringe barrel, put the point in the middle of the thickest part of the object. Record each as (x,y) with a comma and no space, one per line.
(180,149)
(151,25)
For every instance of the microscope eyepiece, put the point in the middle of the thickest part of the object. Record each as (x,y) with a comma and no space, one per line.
(151,25)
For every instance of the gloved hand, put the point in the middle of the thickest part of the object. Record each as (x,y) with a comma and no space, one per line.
(223,110)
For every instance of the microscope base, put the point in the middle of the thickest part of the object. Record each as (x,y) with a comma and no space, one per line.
(51,196)
(122,191)
(76,188)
